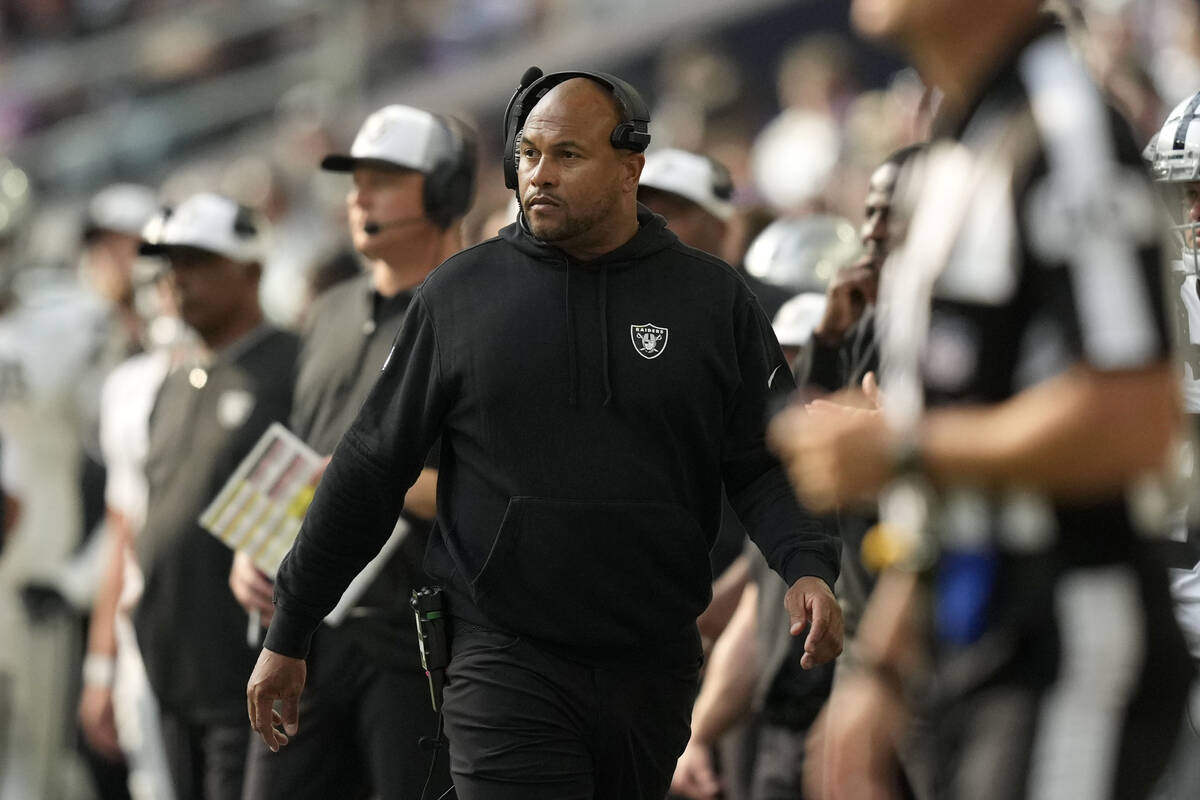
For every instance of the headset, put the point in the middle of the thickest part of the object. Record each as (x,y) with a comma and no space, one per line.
(722,181)
(632,133)
(450,185)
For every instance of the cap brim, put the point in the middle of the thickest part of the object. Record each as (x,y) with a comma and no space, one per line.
(151,249)
(339,163)
(160,249)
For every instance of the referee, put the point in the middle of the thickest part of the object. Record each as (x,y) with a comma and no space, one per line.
(1026,386)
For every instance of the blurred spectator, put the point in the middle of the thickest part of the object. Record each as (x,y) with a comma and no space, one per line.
(694,193)
(191,631)
(48,381)
(118,712)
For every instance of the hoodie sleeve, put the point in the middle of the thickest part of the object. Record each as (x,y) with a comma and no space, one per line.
(361,494)
(795,542)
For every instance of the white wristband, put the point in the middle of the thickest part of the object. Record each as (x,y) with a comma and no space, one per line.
(99,670)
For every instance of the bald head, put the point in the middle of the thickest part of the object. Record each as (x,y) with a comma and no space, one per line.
(578,191)
(583,98)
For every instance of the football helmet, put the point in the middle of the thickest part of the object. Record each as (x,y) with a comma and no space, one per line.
(1173,156)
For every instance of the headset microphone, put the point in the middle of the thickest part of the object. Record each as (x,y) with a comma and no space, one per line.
(373,228)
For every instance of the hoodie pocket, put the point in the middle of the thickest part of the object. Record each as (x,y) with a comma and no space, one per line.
(594,574)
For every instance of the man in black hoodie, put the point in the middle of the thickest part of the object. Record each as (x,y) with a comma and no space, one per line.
(579,484)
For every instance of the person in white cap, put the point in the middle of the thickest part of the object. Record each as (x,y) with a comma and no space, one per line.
(413,174)
(207,416)
(47,361)
(694,192)
(111,232)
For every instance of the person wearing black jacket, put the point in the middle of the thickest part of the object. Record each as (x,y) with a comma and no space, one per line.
(593,381)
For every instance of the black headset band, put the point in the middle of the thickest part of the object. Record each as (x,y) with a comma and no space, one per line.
(631,133)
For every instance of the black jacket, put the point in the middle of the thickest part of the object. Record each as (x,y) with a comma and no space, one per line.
(589,413)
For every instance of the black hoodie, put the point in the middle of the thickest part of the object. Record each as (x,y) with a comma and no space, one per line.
(589,413)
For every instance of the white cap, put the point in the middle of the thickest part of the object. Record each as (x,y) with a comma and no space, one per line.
(208,222)
(121,208)
(401,135)
(796,319)
(691,176)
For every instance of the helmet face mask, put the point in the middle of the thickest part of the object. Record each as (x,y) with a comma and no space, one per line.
(1173,156)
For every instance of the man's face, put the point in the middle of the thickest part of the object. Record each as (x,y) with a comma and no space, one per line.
(875,234)
(108,263)
(209,289)
(570,177)
(391,197)
(1189,212)
(694,226)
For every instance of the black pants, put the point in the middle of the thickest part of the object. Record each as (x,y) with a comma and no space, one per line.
(525,724)
(207,762)
(362,716)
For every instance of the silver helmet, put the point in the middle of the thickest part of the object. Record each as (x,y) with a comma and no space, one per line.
(802,254)
(1173,156)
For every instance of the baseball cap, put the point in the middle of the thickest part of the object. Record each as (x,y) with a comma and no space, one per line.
(208,222)
(120,208)
(400,135)
(691,176)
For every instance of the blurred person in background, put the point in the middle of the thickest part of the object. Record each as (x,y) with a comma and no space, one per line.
(844,348)
(112,227)
(48,376)
(593,451)
(1173,156)
(111,232)
(118,712)
(693,193)
(842,352)
(1034,389)
(368,704)
(213,407)
(298,229)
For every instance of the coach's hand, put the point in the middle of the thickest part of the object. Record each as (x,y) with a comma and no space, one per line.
(275,677)
(811,601)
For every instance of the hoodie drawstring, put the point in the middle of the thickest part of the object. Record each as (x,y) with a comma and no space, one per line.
(572,374)
(572,364)
(604,333)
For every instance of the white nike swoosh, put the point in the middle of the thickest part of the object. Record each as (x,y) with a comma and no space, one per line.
(771,380)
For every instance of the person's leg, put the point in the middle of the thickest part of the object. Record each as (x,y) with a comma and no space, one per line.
(181,746)
(322,759)
(780,764)
(394,713)
(225,760)
(137,716)
(644,724)
(518,721)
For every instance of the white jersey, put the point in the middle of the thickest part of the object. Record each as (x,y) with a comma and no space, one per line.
(126,402)
(49,388)
(1185,583)
(48,395)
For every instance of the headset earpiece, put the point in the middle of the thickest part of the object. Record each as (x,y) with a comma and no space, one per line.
(450,184)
